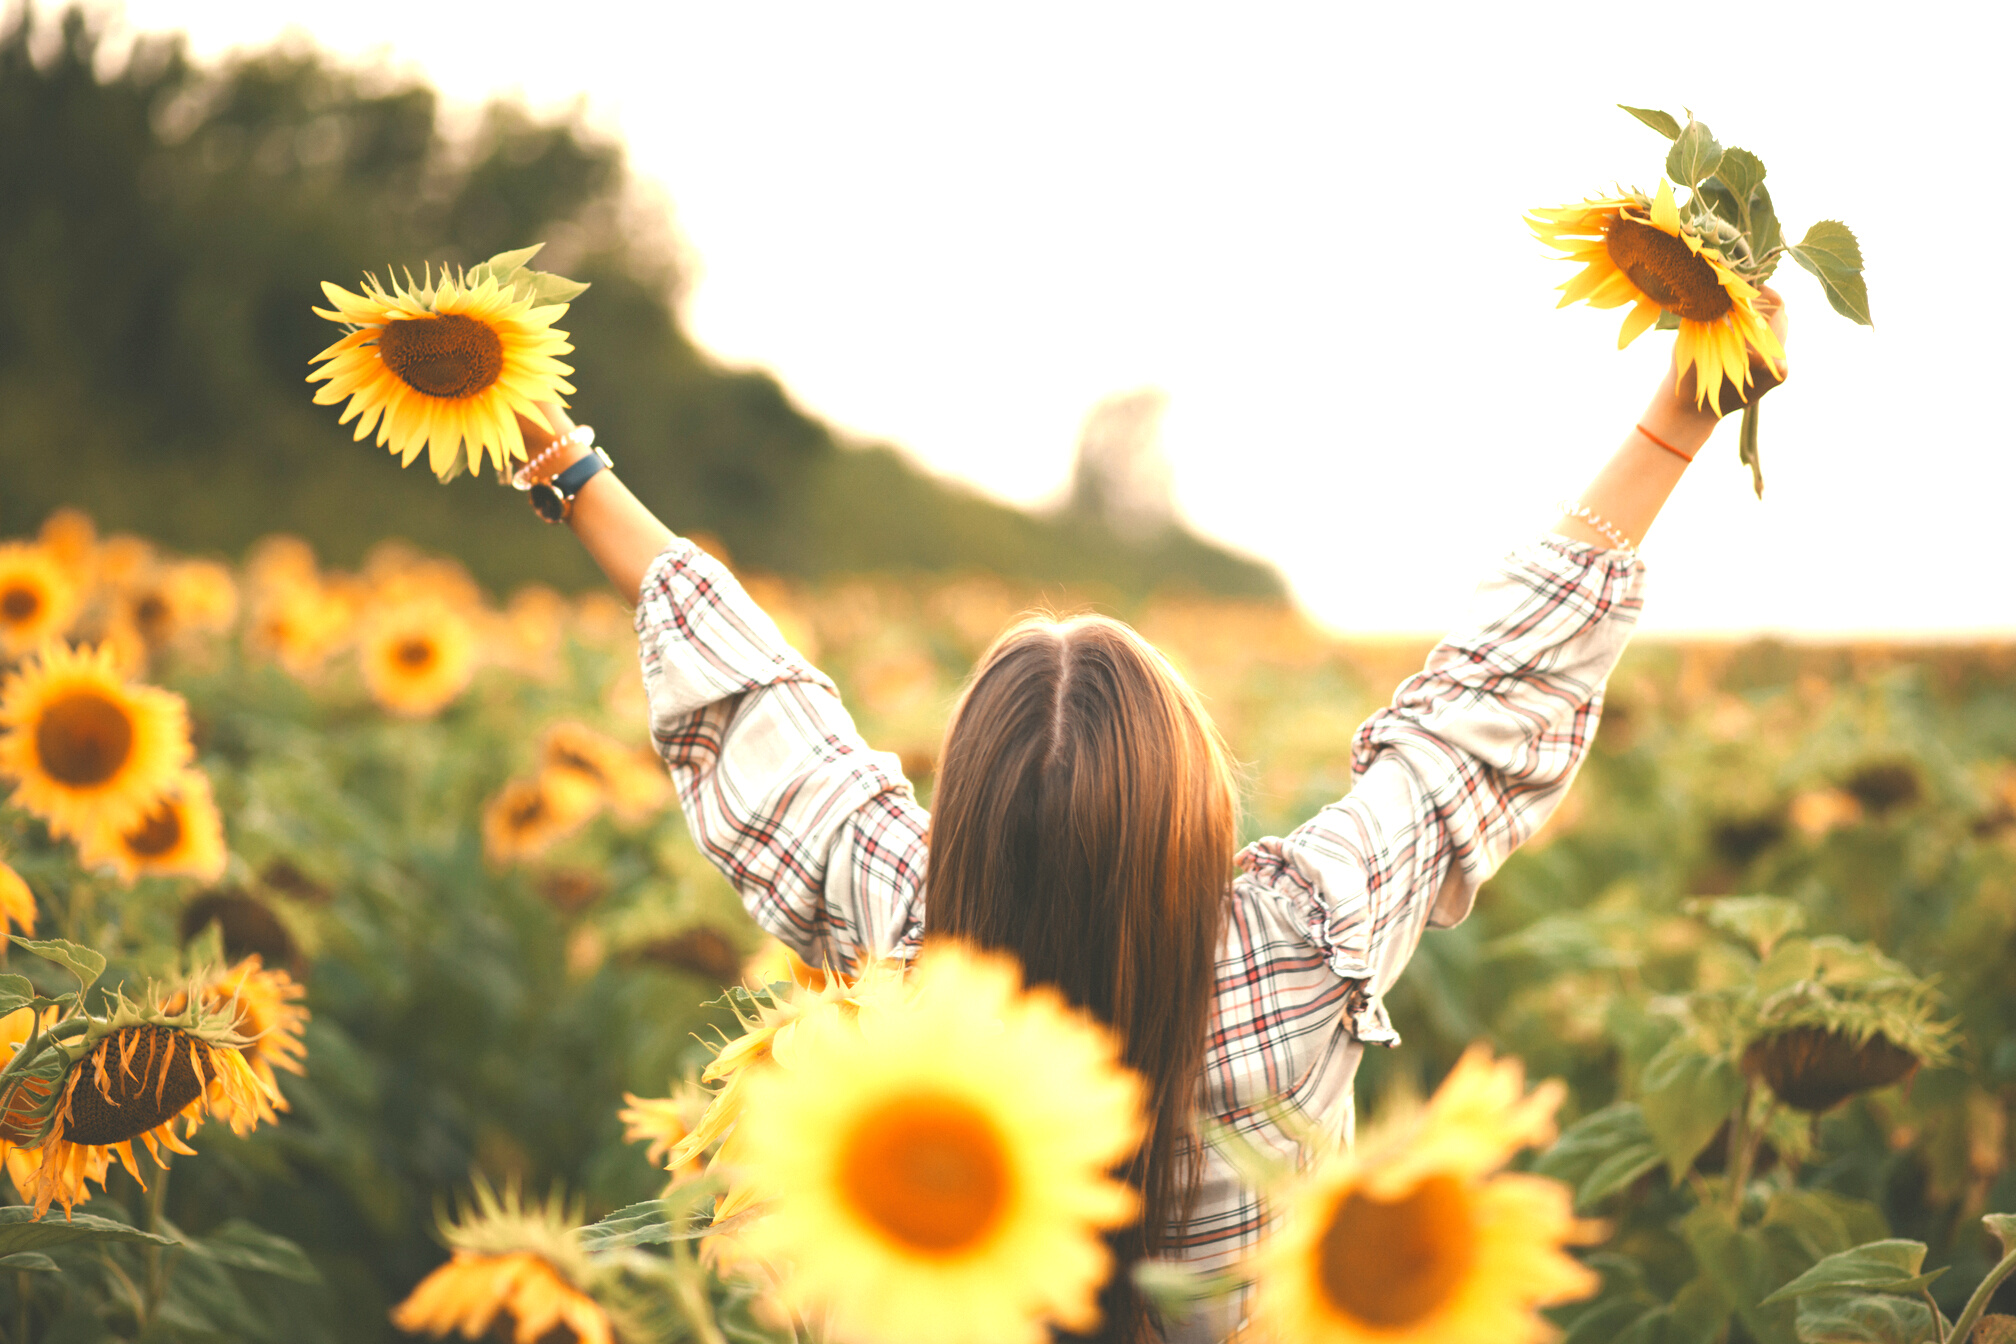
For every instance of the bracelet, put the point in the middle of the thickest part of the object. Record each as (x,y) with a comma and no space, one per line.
(1597,521)
(581,436)
(1684,457)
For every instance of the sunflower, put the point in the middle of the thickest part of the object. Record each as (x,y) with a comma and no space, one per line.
(182,835)
(193,597)
(447,364)
(632,781)
(417,657)
(17,903)
(87,749)
(517,1273)
(1413,1240)
(299,623)
(36,599)
(940,1171)
(529,815)
(127,1080)
(71,536)
(21,1119)
(1637,251)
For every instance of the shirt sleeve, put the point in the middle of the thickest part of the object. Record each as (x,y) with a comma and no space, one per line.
(821,836)
(1472,756)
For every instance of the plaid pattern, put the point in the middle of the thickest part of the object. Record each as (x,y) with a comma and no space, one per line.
(826,843)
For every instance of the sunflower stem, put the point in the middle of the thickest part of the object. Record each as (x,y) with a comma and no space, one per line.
(157,1202)
(21,1283)
(1747,447)
(1742,1151)
(1938,1317)
(1970,1316)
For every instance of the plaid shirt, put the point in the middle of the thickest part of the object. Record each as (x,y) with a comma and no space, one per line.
(826,843)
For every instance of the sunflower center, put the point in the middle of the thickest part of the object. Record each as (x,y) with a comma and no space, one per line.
(19,603)
(158,835)
(1389,1263)
(526,811)
(413,654)
(152,614)
(569,759)
(1669,273)
(927,1172)
(136,1078)
(82,739)
(448,356)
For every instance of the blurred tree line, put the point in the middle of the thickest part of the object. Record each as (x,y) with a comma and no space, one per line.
(164,227)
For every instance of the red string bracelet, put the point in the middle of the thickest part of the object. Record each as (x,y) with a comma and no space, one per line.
(1684,457)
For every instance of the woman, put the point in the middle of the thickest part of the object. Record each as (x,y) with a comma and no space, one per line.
(1085,813)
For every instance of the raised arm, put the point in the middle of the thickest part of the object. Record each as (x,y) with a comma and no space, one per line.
(1476,751)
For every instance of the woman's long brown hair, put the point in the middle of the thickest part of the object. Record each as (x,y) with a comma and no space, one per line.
(1084,819)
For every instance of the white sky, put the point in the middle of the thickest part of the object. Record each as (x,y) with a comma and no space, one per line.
(956,226)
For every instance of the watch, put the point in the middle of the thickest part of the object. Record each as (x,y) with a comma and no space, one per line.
(553,500)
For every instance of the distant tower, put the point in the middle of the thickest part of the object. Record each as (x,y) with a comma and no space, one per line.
(1121,478)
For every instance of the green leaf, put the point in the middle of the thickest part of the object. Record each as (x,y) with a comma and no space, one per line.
(1607,1322)
(1846,291)
(2003,1225)
(652,1223)
(504,263)
(1661,122)
(1757,920)
(1698,1315)
(1742,1264)
(1741,172)
(31,1262)
(1841,1318)
(1694,156)
(1765,234)
(1688,1096)
(21,1231)
(549,288)
(1889,1266)
(1830,245)
(1668,321)
(81,962)
(1602,1153)
(1790,962)
(16,991)
(243,1245)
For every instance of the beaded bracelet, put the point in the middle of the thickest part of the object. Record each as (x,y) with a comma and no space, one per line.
(580,436)
(1597,521)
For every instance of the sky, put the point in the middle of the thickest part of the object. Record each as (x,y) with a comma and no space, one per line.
(955,228)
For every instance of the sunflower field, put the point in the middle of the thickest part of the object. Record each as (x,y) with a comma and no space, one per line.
(366,985)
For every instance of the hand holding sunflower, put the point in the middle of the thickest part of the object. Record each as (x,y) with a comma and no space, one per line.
(1700,268)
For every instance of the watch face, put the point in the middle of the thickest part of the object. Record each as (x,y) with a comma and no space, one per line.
(547,502)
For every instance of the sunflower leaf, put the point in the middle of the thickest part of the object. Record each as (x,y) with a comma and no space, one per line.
(21,1231)
(549,288)
(1843,1318)
(1694,156)
(1830,245)
(1668,321)
(1661,122)
(2003,1225)
(1846,291)
(1889,1266)
(16,991)
(81,962)
(30,1262)
(1766,236)
(1688,1096)
(1741,172)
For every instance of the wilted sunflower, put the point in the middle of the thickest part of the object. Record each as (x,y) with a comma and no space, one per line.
(940,1171)
(182,835)
(529,815)
(86,749)
(1412,1239)
(36,599)
(128,1079)
(517,1273)
(22,1116)
(17,903)
(632,781)
(417,657)
(1637,251)
(440,365)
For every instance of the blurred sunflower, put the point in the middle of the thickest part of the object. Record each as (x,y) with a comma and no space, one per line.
(86,749)
(267,1005)
(128,1079)
(71,536)
(182,835)
(36,599)
(298,623)
(529,815)
(940,1171)
(417,657)
(1411,1239)
(530,632)
(517,1274)
(445,366)
(633,782)
(17,903)
(192,597)
(1637,251)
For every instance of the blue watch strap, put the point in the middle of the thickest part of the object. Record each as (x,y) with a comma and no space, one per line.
(570,481)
